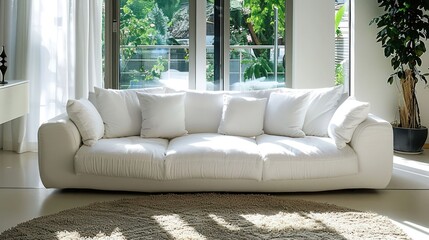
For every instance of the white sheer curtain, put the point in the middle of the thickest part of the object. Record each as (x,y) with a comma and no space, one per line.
(61,59)
(14,19)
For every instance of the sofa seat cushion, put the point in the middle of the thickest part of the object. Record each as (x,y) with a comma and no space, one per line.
(305,158)
(123,157)
(212,155)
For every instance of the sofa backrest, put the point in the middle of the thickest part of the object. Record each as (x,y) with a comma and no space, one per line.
(121,112)
(203,109)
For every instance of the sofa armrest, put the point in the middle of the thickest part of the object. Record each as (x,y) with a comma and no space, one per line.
(58,142)
(373,143)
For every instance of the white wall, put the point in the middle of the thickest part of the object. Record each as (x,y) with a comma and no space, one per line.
(371,69)
(313,44)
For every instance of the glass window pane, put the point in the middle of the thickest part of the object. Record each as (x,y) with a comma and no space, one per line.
(342,42)
(252,44)
(154,43)
(211,84)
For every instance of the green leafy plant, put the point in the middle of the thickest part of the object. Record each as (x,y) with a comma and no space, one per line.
(210,72)
(403,29)
(158,68)
(142,23)
(339,74)
(259,17)
(339,69)
(338,17)
(138,77)
(258,67)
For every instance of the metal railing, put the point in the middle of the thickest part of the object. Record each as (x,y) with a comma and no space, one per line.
(147,55)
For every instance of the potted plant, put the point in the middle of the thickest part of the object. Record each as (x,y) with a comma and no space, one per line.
(404,28)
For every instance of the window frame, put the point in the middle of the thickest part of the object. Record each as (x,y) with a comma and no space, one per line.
(197,49)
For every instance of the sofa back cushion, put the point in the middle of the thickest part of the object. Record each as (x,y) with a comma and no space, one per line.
(285,114)
(266,93)
(322,105)
(163,115)
(120,111)
(242,116)
(203,109)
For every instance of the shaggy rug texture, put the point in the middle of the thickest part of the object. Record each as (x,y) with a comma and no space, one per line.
(208,216)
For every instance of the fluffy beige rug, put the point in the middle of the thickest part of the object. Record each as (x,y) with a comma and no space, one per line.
(208,216)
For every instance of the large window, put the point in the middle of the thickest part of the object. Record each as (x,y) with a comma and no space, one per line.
(153,43)
(211,44)
(245,53)
(257,44)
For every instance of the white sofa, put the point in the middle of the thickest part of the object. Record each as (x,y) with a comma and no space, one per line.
(213,154)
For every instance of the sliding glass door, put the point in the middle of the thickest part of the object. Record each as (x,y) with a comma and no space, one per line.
(242,53)
(211,44)
(154,43)
(256,43)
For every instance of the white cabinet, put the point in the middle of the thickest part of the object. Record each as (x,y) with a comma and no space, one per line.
(13,100)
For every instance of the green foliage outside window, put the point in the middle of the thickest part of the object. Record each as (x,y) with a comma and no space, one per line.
(339,74)
(252,23)
(260,19)
(339,68)
(258,67)
(150,22)
(142,22)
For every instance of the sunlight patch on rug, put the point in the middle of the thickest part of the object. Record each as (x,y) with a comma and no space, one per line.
(282,221)
(222,222)
(66,235)
(177,227)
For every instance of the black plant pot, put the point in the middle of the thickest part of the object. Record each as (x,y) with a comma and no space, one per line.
(409,140)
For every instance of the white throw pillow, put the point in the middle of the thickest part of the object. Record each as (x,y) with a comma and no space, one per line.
(203,111)
(163,115)
(120,112)
(322,105)
(345,120)
(285,114)
(242,116)
(87,120)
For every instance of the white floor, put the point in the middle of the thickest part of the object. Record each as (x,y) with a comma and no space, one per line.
(405,201)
